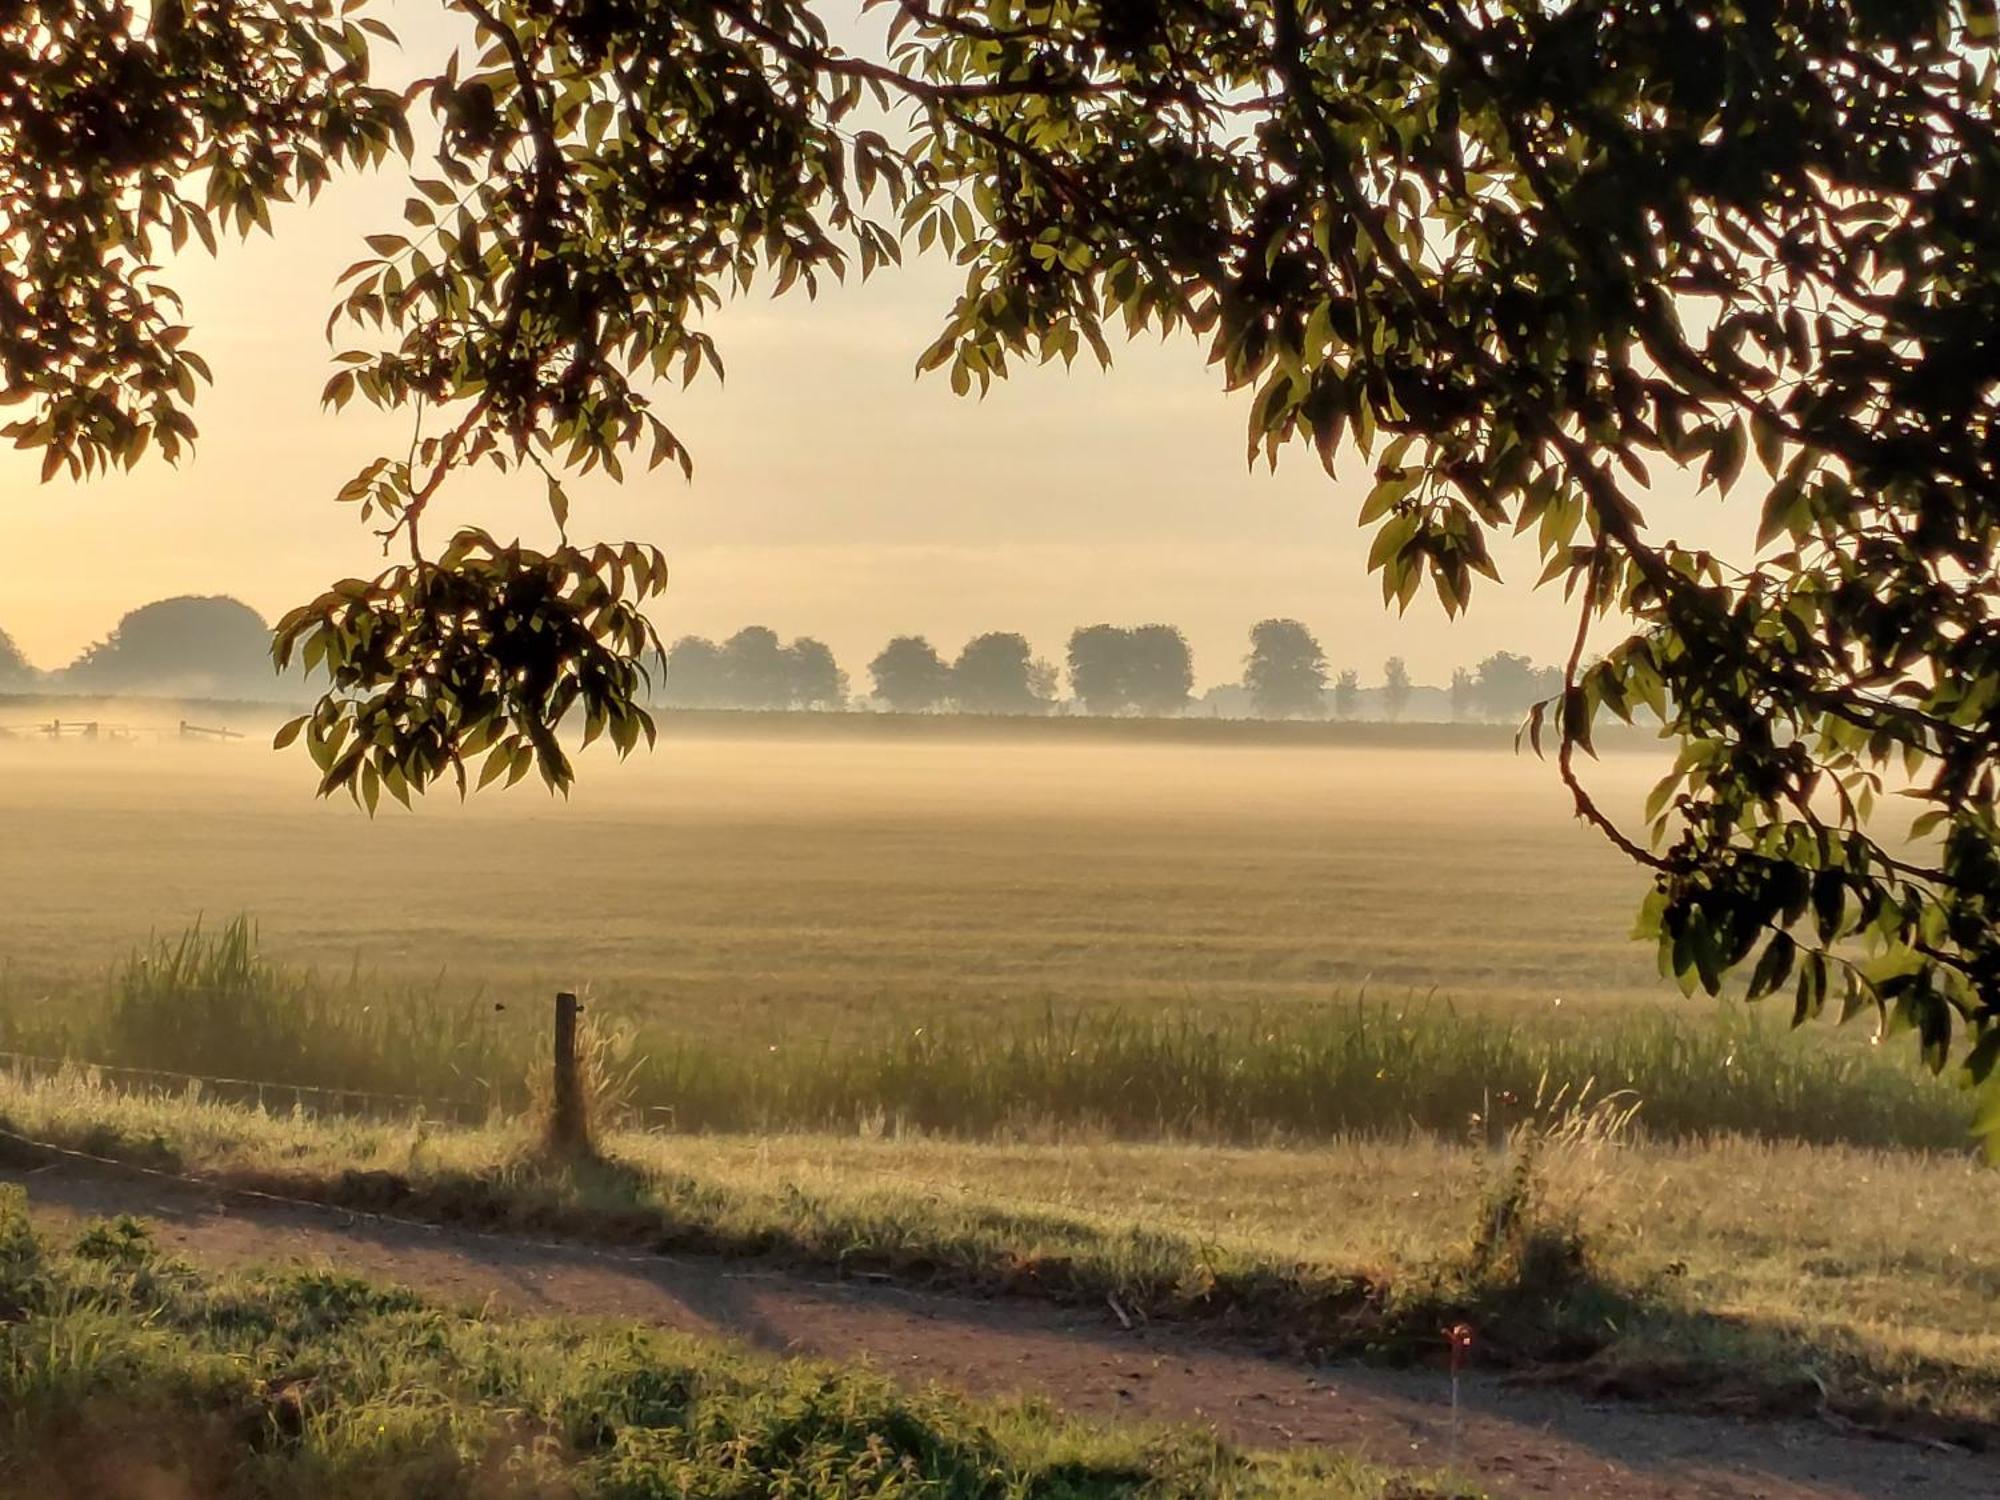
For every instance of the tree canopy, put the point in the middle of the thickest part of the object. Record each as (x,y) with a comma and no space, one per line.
(1525,255)
(201,646)
(909,675)
(751,670)
(1147,669)
(994,674)
(1286,671)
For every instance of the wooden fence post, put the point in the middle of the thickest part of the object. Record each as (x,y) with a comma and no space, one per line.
(569,1132)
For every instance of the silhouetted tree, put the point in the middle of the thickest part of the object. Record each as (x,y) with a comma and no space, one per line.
(992,675)
(1395,688)
(1461,694)
(1346,693)
(195,646)
(1506,685)
(909,675)
(15,670)
(1285,672)
(815,678)
(755,673)
(1161,672)
(1099,670)
(691,675)
(1044,682)
(1147,670)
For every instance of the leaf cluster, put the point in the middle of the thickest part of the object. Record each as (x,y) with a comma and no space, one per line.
(480,656)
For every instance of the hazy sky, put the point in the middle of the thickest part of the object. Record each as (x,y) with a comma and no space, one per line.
(835,494)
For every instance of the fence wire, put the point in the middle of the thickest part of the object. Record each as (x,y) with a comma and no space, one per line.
(262,1090)
(648,1119)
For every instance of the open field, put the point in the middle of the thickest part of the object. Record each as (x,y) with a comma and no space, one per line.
(1228,1033)
(1114,927)
(799,887)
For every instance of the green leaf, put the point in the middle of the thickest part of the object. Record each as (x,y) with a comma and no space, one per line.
(1774,966)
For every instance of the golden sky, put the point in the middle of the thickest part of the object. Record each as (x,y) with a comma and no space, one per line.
(835,494)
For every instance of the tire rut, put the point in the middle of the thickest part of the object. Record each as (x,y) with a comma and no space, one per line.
(1516,1442)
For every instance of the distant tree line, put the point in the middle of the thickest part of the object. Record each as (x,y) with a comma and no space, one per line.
(190,646)
(752,670)
(994,673)
(220,647)
(15,671)
(1286,676)
(1145,670)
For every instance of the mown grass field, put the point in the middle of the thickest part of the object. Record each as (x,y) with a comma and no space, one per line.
(1783,1277)
(795,888)
(126,1373)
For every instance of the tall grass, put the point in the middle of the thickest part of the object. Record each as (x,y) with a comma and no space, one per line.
(208,1003)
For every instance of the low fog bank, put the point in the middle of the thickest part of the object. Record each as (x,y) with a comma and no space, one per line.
(40,717)
(43,716)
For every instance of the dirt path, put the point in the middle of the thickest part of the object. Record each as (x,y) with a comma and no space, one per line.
(1519,1443)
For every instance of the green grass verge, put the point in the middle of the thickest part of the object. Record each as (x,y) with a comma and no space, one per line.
(1785,1279)
(209,1003)
(122,1371)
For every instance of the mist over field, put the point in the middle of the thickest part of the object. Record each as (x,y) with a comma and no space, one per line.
(812,881)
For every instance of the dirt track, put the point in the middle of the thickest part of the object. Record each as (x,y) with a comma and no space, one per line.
(1517,1442)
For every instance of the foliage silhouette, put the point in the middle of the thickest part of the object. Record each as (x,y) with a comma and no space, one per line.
(1286,671)
(204,647)
(994,674)
(910,676)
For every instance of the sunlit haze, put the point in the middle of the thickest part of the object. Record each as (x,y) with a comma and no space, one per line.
(835,493)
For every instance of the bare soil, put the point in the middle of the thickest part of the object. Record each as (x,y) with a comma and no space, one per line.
(1515,1441)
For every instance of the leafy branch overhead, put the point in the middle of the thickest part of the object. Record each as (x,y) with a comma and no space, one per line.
(1528,256)
(486,653)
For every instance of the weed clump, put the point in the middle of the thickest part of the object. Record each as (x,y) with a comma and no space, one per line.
(1528,1271)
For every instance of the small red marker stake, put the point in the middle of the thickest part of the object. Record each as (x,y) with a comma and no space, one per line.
(1459,1336)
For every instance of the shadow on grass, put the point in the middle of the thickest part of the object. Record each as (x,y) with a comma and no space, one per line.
(1029,1347)
(1541,1313)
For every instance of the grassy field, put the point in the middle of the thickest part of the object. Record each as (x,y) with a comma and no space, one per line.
(252,1028)
(1227,1027)
(805,887)
(123,1372)
(1783,1275)
(1138,929)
